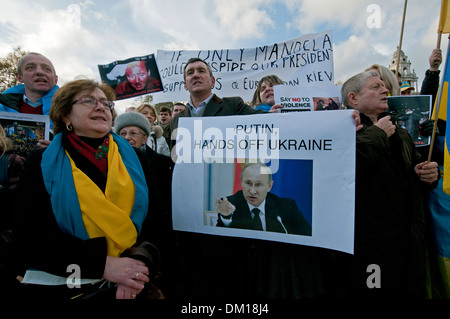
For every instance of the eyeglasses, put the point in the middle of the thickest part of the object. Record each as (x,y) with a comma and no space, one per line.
(133,134)
(92,102)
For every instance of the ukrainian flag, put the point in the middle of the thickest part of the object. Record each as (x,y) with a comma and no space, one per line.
(439,199)
(441,107)
(442,100)
(444,20)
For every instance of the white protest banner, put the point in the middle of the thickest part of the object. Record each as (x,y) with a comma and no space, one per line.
(300,99)
(301,61)
(311,157)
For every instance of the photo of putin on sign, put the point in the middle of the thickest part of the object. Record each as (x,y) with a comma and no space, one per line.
(254,207)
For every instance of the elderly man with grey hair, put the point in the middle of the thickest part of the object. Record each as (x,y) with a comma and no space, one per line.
(391,180)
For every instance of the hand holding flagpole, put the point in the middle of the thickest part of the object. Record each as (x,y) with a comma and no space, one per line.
(442,28)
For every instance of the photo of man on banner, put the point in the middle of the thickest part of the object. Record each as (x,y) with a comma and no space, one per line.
(132,77)
(253,206)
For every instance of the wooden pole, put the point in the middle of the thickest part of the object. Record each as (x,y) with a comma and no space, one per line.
(401,36)
(438,44)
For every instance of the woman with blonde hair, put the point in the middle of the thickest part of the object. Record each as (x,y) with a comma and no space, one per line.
(156,140)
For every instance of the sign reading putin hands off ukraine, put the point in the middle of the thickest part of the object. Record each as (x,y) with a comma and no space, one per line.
(297,168)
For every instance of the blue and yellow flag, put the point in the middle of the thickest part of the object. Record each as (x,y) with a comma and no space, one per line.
(438,283)
(443,98)
(444,20)
(446,184)
(441,106)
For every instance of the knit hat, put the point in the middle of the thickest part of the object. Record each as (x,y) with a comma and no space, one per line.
(405,86)
(132,119)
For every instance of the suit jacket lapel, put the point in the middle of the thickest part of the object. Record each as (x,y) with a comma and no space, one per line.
(213,107)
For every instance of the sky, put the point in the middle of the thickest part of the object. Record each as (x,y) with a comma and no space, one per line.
(77,36)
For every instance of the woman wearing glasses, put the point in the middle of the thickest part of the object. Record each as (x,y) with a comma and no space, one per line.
(87,205)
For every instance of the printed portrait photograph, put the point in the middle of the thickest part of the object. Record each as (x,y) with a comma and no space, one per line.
(274,197)
(132,77)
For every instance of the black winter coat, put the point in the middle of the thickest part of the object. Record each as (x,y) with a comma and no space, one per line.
(389,216)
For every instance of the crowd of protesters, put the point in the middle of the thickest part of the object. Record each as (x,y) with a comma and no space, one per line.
(99,195)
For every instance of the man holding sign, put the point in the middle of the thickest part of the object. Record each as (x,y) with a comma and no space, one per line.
(199,81)
(390,251)
(204,255)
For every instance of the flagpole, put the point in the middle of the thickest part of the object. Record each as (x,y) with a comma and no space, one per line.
(438,45)
(401,36)
(438,103)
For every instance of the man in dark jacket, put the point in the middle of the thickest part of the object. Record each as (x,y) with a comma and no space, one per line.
(255,208)
(220,266)
(390,250)
(199,81)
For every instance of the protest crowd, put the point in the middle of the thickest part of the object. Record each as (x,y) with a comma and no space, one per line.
(95,200)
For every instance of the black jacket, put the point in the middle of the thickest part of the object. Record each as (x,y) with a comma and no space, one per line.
(11,100)
(389,216)
(39,242)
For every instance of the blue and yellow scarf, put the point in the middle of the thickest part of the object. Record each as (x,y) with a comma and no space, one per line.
(83,210)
